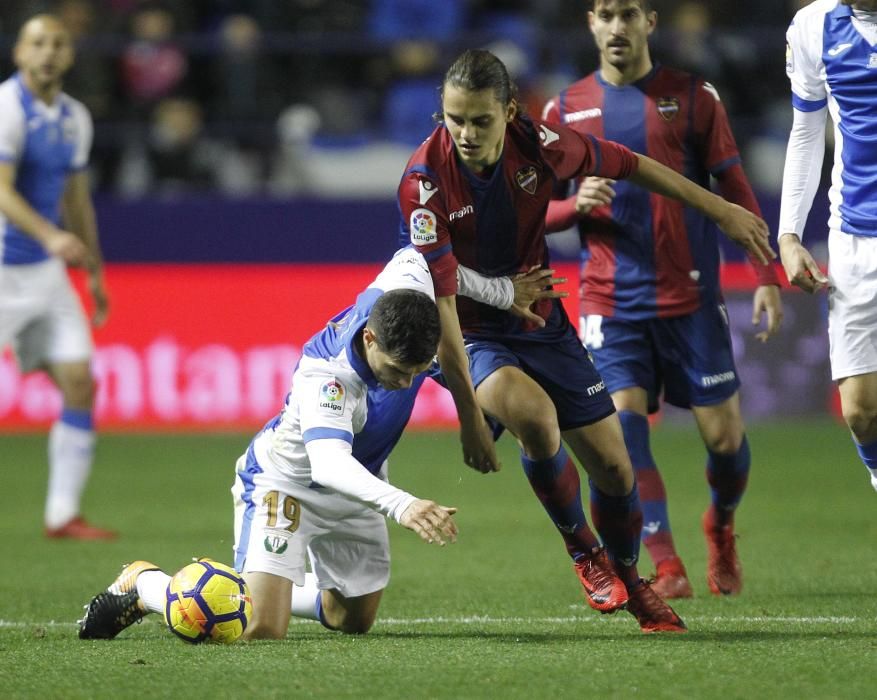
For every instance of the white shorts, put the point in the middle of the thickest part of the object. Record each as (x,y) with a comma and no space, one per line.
(280,523)
(852,304)
(40,314)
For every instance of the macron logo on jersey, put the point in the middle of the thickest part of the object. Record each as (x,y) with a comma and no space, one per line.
(427,190)
(583,114)
(547,136)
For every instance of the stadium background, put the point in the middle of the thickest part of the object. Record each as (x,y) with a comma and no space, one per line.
(245,162)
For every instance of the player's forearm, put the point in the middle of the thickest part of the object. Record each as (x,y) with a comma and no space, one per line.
(561,214)
(82,221)
(78,213)
(454,361)
(493,291)
(333,466)
(662,180)
(802,170)
(23,216)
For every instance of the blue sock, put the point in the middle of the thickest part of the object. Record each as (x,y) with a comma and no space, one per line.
(868,453)
(657,534)
(619,520)
(556,483)
(318,608)
(78,417)
(727,476)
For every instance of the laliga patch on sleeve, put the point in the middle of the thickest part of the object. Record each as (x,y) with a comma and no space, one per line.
(423,227)
(332,397)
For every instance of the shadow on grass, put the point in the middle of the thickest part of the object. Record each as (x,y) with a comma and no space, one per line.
(633,638)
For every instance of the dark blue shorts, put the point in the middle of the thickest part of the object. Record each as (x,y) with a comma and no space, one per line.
(561,367)
(688,358)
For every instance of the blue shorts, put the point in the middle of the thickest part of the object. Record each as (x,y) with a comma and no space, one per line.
(689,358)
(561,367)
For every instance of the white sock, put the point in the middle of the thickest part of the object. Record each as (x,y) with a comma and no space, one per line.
(71,453)
(152,589)
(873,478)
(304,598)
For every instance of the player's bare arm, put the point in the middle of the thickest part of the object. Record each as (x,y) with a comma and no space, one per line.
(800,267)
(432,523)
(741,226)
(479,451)
(57,242)
(79,217)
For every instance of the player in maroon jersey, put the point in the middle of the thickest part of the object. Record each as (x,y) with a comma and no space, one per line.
(475,193)
(652,312)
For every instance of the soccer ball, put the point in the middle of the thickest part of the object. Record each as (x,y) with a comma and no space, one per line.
(207,601)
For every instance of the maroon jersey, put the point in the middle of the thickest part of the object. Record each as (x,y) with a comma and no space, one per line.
(495,223)
(647,255)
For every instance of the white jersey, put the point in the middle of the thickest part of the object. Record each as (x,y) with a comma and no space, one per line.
(46,143)
(334,393)
(832,62)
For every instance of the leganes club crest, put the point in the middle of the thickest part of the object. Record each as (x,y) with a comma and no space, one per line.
(276,544)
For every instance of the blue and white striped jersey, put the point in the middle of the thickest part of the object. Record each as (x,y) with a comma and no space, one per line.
(334,393)
(46,143)
(832,61)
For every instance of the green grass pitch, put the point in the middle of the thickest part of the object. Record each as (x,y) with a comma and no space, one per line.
(497,615)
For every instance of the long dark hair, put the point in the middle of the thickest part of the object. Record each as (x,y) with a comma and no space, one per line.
(478,69)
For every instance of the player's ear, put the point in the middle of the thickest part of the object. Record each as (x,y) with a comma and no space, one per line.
(511,110)
(368,337)
(652,20)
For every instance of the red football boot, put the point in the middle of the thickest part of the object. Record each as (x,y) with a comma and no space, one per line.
(671,579)
(79,529)
(603,589)
(652,613)
(723,571)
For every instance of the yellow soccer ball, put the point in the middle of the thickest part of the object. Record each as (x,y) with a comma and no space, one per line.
(207,601)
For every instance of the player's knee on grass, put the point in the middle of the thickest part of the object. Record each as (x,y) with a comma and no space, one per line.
(350,615)
(272,600)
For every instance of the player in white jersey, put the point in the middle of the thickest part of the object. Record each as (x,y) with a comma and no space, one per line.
(312,486)
(45,137)
(832,65)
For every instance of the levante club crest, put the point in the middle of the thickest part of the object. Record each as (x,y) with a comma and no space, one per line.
(668,108)
(527,179)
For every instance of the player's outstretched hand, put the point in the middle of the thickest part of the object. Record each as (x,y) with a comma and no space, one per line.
(766,302)
(67,246)
(432,522)
(531,286)
(594,192)
(748,230)
(800,267)
(479,448)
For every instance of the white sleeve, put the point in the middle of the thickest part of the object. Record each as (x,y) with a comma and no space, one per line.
(333,466)
(493,291)
(12,127)
(84,135)
(804,65)
(803,168)
(407,269)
